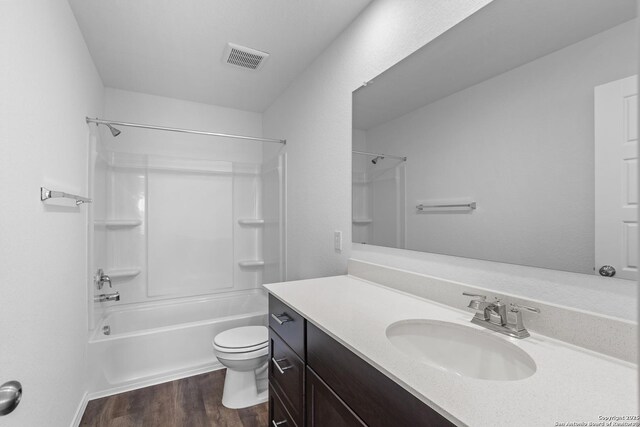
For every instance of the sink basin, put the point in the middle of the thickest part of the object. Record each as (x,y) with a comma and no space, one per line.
(461,350)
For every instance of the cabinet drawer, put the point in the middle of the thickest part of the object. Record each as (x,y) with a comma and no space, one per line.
(375,398)
(325,408)
(286,375)
(278,415)
(288,324)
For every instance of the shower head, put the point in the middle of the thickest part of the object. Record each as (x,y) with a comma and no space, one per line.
(375,161)
(115,132)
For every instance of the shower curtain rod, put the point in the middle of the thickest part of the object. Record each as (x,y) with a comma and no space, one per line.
(390,156)
(197,132)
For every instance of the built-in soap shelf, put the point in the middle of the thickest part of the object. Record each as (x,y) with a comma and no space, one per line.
(251,263)
(251,221)
(123,273)
(118,223)
(362,220)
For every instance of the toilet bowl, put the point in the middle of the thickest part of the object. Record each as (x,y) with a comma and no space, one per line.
(244,352)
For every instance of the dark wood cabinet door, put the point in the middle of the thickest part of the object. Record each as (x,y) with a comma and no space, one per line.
(325,408)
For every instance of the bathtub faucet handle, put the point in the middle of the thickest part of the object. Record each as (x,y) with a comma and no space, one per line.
(101,278)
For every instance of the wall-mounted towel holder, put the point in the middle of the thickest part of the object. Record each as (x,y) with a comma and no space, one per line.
(471,205)
(46,194)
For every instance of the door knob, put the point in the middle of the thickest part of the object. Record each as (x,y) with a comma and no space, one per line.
(10,395)
(607,271)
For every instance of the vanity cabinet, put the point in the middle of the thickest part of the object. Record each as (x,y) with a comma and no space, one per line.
(317,382)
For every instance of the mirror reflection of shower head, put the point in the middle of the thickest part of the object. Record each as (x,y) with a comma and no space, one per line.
(375,161)
(115,132)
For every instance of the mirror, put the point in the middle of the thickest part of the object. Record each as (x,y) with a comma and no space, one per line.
(512,137)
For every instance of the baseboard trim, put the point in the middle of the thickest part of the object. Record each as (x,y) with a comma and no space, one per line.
(80,411)
(154,380)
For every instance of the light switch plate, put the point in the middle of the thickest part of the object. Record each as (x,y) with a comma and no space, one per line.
(337,240)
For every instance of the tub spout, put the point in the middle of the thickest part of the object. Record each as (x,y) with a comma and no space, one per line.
(114,296)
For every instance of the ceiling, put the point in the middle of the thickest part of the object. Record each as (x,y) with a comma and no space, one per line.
(174,48)
(499,37)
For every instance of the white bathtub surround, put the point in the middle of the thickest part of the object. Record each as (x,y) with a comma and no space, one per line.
(569,384)
(156,193)
(150,343)
(166,186)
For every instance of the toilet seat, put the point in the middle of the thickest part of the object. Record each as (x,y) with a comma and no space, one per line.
(239,350)
(247,355)
(245,339)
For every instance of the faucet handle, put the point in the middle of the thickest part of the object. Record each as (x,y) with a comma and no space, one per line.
(516,307)
(479,305)
(484,297)
(102,278)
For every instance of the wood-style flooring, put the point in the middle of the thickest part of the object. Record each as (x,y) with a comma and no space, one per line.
(190,402)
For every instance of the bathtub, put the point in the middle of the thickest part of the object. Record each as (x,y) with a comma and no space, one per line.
(156,342)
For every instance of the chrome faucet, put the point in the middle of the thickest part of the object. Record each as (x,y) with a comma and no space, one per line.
(100,279)
(494,315)
(114,296)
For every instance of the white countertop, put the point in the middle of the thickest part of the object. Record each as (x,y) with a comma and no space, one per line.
(570,384)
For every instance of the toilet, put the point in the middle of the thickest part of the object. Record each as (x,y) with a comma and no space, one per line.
(244,351)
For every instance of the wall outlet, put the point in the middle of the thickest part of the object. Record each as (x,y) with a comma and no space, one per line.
(337,240)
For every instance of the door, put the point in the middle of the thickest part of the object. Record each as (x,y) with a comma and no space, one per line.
(325,408)
(616,177)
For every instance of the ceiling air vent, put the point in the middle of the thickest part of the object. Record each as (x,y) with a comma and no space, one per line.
(245,57)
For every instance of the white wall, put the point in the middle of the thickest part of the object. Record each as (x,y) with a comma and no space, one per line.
(518,144)
(314,115)
(121,105)
(48,84)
